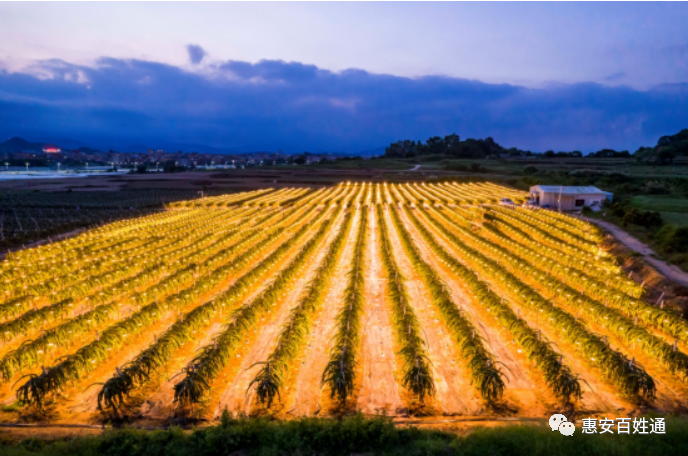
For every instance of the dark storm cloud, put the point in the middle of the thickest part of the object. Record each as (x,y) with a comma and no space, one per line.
(196,53)
(293,106)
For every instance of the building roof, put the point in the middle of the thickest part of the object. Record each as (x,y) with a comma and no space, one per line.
(568,190)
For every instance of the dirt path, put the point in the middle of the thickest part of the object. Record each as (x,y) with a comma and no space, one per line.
(598,396)
(123,313)
(82,305)
(379,391)
(671,393)
(8,389)
(159,403)
(455,394)
(236,397)
(671,271)
(307,394)
(87,400)
(669,390)
(80,403)
(525,393)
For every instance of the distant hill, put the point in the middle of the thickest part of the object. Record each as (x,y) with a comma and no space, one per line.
(451,146)
(667,148)
(66,143)
(13,145)
(677,144)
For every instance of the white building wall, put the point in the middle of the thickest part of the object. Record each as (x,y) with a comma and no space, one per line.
(568,202)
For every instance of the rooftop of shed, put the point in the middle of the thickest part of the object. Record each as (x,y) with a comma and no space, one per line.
(568,190)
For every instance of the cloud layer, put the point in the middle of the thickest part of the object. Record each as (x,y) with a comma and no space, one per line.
(292,106)
(196,53)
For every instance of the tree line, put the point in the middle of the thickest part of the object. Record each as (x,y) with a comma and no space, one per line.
(451,146)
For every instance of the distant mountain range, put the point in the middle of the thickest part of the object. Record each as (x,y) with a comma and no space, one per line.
(20,145)
(13,145)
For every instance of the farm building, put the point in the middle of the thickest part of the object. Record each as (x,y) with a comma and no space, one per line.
(568,197)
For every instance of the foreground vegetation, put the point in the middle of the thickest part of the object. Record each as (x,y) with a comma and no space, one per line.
(355,435)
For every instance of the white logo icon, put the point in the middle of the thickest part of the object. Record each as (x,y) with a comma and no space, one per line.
(555,420)
(567,428)
(560,423)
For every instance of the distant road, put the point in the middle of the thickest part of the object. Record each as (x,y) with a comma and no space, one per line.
(671,271)
(415,168)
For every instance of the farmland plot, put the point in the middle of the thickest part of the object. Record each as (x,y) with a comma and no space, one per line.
(381,298)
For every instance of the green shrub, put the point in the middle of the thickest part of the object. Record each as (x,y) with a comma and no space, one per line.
(472,168)
(433,158)
(657,188)
(647,219)
(673,238)
(619,208)
(353,435)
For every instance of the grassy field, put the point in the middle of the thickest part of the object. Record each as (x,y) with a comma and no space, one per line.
(366,164)
(516,166)
(673,209)
(661,203)
(677,218)
(355,435)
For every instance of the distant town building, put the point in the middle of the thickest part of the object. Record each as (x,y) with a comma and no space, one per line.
(19,149)
(50,149)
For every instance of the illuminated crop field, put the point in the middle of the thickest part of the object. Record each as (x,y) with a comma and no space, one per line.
(379,298)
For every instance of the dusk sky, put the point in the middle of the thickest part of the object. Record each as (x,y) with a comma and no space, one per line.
(343,76)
